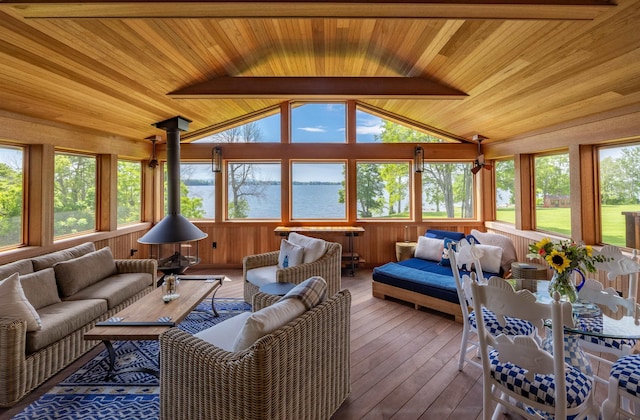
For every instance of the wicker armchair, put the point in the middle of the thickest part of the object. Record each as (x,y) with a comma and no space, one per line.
(300,371)
(328,267)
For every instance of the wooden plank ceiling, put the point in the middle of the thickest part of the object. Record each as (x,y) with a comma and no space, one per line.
(523,66)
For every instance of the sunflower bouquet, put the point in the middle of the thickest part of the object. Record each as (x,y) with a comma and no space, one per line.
(564,257)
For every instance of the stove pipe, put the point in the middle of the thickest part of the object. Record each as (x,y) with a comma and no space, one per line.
(174,227)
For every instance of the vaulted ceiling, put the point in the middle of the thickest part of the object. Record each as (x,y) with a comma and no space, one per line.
(517,66)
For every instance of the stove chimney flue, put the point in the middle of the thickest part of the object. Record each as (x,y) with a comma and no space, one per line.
(174,227)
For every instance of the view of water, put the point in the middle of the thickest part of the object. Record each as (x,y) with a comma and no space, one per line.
(310,201)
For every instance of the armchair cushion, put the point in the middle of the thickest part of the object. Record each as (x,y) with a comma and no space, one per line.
(224,334)
(267,320)
(314,248)
(290,254)
(262,275)
(14,304)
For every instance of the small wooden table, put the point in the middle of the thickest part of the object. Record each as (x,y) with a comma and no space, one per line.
(147,318)
(405,250)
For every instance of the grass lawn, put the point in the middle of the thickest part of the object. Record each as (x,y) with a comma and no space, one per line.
(559,220)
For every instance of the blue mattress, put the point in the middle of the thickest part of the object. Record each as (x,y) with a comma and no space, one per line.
(421,276)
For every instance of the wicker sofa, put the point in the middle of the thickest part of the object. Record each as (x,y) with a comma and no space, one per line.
(328,266)
(299,371)
(70,290)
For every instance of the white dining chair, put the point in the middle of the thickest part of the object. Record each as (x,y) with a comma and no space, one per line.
(469,345)
(624,389)
(518,375)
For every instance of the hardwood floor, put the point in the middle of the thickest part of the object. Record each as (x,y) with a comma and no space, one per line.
(403,361)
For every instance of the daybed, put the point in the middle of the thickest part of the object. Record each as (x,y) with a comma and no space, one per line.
(48,302)
(426,280)
(286,360)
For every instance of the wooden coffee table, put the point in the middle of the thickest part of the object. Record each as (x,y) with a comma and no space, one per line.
(150,316)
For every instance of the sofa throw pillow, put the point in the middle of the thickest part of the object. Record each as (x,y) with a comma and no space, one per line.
(40,288)
(266,321)
(445,262)
(48,260)
(491,257)
(509,253)
(429,248)
(290,254)
(15,305)
(313,247)
(310,292)
(78,273)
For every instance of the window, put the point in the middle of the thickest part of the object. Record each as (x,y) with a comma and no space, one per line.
(263,130)
(197,190)
(74,194)
(373,129)
(619,193)
(129,192)
(317,191)
(553,195)
(253,190)
(11,196)
(318,123)
(505,191)
(383,190)
(447,191)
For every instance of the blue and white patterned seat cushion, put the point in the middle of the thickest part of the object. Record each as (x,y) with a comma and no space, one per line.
(595,324)
(627,371)
(514,326)
(542,389)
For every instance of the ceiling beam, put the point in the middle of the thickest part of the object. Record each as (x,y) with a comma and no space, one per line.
(318,88)
(411,9)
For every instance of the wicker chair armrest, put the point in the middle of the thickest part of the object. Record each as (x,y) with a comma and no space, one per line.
(260,260)
(262,300)
(328,267)
(13,374)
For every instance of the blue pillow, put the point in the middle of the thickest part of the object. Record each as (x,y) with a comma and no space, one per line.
(445,262)
(472,239)
(443,234)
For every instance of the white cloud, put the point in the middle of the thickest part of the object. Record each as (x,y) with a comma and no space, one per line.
(373,129)
(313,129)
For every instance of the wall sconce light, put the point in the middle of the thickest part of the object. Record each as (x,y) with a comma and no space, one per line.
(418,159)
(216,159)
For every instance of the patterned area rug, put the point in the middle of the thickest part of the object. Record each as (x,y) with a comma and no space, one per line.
(86,395)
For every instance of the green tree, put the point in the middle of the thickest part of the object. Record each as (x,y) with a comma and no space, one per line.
(396,182)
(74,192)
(129,191)
(614,182)
(630,163)
(11,193)
(505,180)
(440,176)
(370,187)
(552,176)
(463,189)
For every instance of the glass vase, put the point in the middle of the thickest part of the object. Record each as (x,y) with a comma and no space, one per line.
(563,284)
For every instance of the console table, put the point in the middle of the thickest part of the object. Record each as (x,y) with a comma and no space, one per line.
(352,258)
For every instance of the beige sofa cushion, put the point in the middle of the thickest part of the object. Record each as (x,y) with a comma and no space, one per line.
(78,273)
(61,319)
(48,260)
(21,267)
(40,288)
(15,305)
(114,289)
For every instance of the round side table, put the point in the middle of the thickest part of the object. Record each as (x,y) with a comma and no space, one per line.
(277,289)
(521,270)
(405,250)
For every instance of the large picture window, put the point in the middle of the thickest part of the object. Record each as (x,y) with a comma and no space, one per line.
(197,191)
(505,191)
(553,194)
(383,190)
(11,196)
(74,194)
(263,130)
(317,191)
(129,191)
(318,123)
(253,190)
(447,191)
(619,193)
(373,129)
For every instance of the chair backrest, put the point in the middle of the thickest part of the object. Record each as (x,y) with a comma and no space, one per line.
(618,264)
(469,253)
(500,298)
(594,291)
